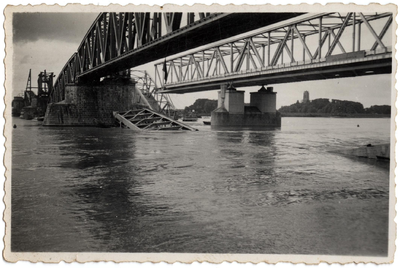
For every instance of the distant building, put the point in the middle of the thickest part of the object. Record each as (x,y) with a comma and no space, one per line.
(306,97)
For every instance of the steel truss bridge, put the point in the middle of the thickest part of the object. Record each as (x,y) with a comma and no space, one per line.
(116,42)
(305,47)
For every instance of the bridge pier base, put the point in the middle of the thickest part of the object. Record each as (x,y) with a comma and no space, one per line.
(232,112)
(93,105)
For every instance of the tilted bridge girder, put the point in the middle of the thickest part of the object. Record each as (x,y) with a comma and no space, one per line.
(145,83)
(119,41)
(307,47)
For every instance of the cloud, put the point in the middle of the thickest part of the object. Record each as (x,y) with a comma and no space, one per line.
(68,27)
(39,55)
(45,41)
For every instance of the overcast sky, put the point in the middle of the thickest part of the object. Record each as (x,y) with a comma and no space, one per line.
(47,40)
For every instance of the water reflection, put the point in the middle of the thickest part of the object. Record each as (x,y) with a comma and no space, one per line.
(108,186)
(248,191)
(250,164)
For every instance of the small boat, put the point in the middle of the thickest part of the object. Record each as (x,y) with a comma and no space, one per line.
(40,118)
(189,119)
(206,120)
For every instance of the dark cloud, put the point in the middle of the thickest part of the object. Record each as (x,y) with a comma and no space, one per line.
(69,27)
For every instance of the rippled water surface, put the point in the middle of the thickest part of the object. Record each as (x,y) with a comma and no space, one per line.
(238,191)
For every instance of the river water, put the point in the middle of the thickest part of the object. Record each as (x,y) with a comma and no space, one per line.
(279,191)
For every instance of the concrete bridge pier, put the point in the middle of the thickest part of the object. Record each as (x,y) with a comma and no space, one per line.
(233,112)
(94,104)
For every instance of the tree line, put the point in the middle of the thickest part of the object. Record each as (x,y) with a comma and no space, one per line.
(334,107)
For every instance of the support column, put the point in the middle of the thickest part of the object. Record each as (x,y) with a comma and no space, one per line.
(234,101)
(232,112)
(264,100)
(93,105)
(230,108)
(231,100)
(221,96)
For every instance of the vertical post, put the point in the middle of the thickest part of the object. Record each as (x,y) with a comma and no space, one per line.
(155,76)
(247,46)
(190,18)
(320,38)
(359,37)
(180,70)
(354,31)
(147,26)
(170,73)
(292,45)
(152,31)
(263,55)
(282,56)
(269,48)
(191,69)
(231,57)
(304,50)
(162,81)
(203,63)
(112,35)
(130,31)
(159,25)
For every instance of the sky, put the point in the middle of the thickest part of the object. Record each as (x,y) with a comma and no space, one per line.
(45,41)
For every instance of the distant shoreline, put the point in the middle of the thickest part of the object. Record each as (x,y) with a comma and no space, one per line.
(335,116)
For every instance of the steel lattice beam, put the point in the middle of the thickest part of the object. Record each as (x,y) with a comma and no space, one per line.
(113,35)
(285,42)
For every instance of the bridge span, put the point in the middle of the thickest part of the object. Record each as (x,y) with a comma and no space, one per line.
(307,47)
(349,65)
(119,41)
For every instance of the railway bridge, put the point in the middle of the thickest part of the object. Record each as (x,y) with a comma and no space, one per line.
(209,51)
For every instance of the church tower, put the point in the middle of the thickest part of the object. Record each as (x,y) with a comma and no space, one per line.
(306,97)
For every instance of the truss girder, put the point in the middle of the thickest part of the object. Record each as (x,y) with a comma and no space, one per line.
(145,83)
(282,43)
(112,35)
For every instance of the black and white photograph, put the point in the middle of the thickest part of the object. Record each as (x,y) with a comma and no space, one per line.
(200,133)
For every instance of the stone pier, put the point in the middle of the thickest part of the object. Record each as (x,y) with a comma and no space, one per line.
(232,111)
(93,105)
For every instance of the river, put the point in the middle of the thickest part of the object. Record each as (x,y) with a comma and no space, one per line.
(281,191)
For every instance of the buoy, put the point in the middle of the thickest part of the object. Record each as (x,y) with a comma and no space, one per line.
(358,125)
(15,126)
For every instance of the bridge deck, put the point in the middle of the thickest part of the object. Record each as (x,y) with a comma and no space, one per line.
(291,72)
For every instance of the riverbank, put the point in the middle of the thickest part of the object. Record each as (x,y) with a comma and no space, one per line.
(338,115)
